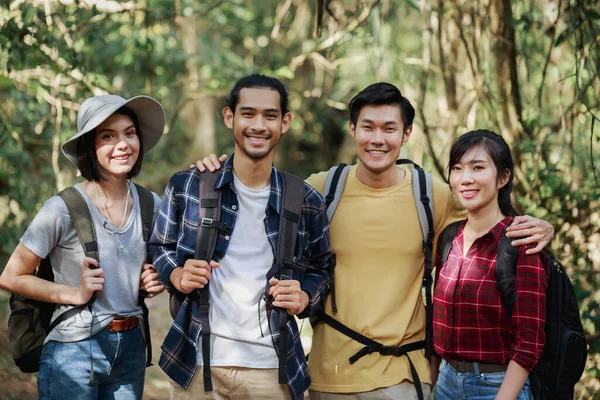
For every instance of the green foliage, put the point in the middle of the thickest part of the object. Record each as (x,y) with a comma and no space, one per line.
(441,54)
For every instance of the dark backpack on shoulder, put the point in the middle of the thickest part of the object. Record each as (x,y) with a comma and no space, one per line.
(565,351)
(209,227)
(30,320)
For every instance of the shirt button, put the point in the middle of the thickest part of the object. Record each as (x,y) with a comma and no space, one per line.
(227,237)
(234,207)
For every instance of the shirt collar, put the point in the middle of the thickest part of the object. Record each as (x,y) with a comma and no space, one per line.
(275,196)
(498,229)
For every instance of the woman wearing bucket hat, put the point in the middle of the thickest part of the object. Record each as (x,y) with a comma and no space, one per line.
(98,350)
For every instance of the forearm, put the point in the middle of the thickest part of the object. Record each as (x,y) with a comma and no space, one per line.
(36,288)
(18,277)
(513,382)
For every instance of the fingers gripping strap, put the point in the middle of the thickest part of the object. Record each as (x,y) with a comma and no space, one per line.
(209,209)
(334,187)
(291,209)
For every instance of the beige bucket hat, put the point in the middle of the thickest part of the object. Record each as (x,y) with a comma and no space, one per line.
(95,110)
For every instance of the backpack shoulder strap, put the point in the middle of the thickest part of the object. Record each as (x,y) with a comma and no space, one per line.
(422,184)
(147,212)
(146,209)
(289,219)
(291,209)
(84,227)
(209,225)
(334,187)
(82,221)
(506,271)
(445,240)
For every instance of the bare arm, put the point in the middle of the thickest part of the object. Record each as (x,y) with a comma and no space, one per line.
(18,277)
(513,382)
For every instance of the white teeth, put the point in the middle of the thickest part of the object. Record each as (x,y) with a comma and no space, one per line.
(376,152)
(469,192)
(257,140)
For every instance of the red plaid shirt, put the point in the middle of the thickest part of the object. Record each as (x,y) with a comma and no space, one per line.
(470,321)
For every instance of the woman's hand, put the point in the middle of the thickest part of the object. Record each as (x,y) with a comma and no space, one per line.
(92,280)
(149,282)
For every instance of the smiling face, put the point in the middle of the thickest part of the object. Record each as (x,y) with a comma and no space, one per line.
(475,181)
(257,122)
(117,145)
(379,134)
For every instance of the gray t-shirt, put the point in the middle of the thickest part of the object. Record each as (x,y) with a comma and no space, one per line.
(122,254)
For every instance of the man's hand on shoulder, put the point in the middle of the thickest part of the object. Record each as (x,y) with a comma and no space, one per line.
(211,163)
(530,230)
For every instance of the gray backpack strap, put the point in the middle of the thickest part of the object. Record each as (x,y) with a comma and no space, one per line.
(334,187)
(423,192)
(422,183)
(82,221)
(420,180)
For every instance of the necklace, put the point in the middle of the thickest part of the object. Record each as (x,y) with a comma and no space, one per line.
(105,225)
(126,202)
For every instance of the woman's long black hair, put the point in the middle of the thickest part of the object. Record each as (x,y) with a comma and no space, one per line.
(499,153)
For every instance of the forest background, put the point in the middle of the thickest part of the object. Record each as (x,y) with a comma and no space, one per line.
(529,70)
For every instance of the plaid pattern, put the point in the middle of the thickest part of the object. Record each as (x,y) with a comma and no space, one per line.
(173,242)
(470,321)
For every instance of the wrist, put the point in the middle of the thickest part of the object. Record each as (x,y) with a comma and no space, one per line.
(175,277)
(73,296)
(304,300)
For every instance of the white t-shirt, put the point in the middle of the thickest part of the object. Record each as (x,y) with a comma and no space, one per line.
(240,334)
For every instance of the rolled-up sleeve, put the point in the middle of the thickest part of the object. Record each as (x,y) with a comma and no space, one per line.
(163,242)
(317,279)
(529,313)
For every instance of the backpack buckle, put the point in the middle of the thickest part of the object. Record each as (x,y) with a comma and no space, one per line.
(206,222)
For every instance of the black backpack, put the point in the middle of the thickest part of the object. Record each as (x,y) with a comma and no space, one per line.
(564,355)
(29,321)
(209,227)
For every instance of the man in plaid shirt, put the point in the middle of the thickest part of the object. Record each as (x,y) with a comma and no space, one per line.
(244,327)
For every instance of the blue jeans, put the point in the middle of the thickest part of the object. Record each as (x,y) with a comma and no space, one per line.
(119,367)
(453,385)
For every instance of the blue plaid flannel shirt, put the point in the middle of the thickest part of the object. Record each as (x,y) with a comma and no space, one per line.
(173,242)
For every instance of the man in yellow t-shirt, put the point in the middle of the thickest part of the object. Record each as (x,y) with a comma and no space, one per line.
(376,235)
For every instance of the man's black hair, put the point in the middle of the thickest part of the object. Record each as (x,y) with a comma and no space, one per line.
(257,81)
(382,93)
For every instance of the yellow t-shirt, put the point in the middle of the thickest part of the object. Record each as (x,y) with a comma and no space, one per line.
(377,238)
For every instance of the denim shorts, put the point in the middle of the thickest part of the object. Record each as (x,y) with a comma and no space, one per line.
(453,385)
(119,360)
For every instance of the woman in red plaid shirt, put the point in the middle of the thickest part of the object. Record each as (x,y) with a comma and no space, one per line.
(487,353)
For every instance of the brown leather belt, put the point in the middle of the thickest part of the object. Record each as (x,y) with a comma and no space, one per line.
(122,324)
(467,366)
